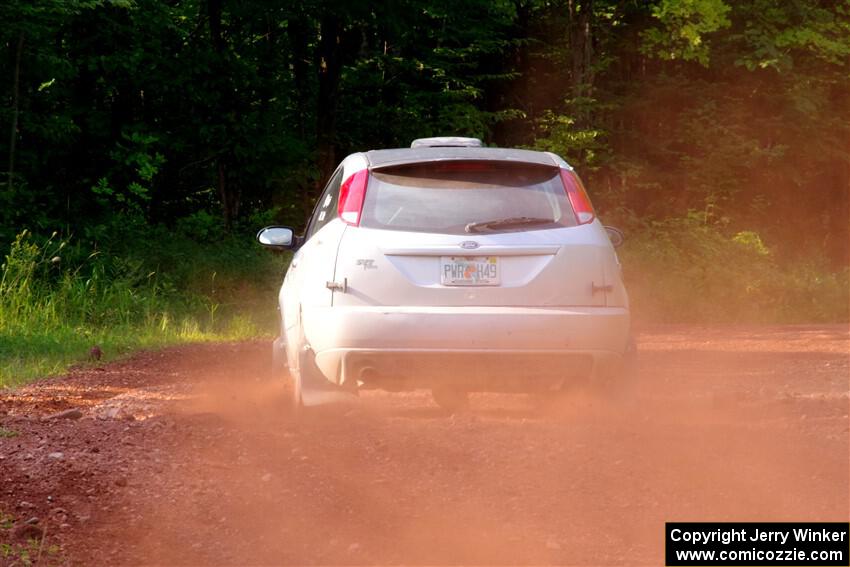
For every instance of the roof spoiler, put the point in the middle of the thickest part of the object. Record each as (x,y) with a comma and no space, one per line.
(447,142)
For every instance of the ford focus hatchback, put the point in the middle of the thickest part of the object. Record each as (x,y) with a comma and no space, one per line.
(452,267)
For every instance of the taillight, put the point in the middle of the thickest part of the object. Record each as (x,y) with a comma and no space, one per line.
(463,166)
(577,196)
(351,196)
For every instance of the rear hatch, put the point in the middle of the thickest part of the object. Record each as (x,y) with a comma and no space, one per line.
(467,233)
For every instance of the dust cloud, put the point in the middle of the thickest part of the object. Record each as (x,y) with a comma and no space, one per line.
(738,424)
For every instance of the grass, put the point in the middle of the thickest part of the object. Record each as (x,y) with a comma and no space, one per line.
(686,270)
(7,433)
(57,300)
(33,552)
(30,553)
(38,353)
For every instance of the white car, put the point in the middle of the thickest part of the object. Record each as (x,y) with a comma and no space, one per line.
(452,267)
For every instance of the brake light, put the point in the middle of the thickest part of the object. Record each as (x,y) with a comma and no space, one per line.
(351,196)
(464,166)
(578,197)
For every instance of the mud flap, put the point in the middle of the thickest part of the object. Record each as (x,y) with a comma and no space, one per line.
(279,354)
(316,390)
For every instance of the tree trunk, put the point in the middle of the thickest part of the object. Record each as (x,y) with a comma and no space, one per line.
(222,194)
(13,134)
(228,194)
(329,66)
(581,46)
(299,41)
(521,94)
(214,14)
(838,211)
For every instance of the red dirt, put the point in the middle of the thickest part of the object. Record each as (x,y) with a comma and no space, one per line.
(189,456)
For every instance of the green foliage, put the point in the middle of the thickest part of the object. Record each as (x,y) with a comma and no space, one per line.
(683,26)
(778,35)
(688,270)
(6,434)
(561,135)
(32,552)
(6,521)
(57,299)
(136,161)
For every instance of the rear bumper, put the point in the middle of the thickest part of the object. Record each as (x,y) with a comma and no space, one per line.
(477,348)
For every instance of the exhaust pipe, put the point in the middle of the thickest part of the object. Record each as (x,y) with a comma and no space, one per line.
(367,374)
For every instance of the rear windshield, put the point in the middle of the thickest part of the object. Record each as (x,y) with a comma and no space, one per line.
(461,197)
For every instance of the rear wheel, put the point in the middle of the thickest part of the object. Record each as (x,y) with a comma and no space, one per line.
(450,399)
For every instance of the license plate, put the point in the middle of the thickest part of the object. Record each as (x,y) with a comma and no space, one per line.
(469,270)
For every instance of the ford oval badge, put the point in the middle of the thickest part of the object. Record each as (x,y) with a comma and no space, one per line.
(469,245)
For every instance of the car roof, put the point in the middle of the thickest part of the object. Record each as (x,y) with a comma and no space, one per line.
(401,156)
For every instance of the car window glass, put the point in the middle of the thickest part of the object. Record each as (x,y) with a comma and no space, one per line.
(326,207)
(445,197)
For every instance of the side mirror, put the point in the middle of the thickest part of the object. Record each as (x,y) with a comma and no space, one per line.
(616,236)
(278,237)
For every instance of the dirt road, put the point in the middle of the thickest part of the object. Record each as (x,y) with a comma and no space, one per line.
(189,457)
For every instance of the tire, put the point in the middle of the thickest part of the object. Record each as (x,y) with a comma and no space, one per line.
(450,399)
